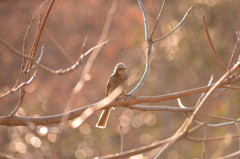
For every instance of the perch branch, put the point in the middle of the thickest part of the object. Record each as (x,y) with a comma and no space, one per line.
(91,60)
(124,102)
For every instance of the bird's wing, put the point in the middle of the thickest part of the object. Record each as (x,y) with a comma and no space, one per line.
(109,85)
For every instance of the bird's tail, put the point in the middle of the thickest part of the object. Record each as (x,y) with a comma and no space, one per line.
(102,122)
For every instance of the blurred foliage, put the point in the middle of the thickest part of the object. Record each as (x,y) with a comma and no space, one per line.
(182,61)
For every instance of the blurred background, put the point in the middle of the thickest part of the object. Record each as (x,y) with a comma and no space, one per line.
(182,61)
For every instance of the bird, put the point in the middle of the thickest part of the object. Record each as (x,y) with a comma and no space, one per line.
(118,78)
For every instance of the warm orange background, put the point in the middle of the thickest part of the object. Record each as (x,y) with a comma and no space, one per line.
(182,61)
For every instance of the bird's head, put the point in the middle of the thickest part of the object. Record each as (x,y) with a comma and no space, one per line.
(120,69)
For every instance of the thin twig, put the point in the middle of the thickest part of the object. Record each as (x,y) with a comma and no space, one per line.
(182,106)
(135,151)
(211,44)
(28,29)
(223,124)
(195,128)
(64,53)
(45,68)
(121,134)
(160,108)
(29,62)
(16,88)
(203,154)
(179,24)
(216,117)
(158,18)
(232,87)
(213,139)
(36,42)
(234,50)
(238,130)
(209,83)
(83,47)
(20,100)
(180,103)
(38,61)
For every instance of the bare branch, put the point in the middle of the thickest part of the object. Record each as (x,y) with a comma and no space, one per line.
(144,13)
(185,93)
(148,53)
(217,84)
(56,72)
(188,122)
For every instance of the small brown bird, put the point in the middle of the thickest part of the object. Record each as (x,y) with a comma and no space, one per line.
(119,77)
